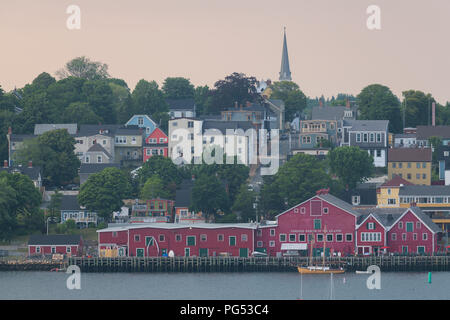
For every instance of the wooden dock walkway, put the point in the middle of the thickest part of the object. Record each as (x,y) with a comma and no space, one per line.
(228,264)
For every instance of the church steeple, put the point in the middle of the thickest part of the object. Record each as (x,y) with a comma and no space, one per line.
(285,72)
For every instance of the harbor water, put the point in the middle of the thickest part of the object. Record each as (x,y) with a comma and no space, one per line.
(20,285)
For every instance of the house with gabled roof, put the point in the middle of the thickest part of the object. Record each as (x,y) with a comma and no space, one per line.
(97,154)
(387,193)
(142,121)
(69,245)
(307,225)
(181,108)
(157,143)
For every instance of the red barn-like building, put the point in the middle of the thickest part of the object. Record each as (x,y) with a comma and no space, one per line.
(156,143)
(200,239)
(306,225)
(70,245)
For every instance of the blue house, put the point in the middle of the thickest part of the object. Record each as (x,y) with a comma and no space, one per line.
(142,121)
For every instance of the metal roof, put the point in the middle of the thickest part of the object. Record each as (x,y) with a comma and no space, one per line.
(410,154)
(44,127)
(55,239)
(197,225)
(367,125)
(414,190)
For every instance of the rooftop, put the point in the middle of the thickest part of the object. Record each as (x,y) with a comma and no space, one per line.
(44,127)
(410,154)
(425,132)
(396,181)
(55,239)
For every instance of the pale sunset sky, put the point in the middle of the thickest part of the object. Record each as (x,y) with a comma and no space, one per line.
(331,50)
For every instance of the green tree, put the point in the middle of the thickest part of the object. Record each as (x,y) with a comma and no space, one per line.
(148,98)
(104,191)
(209,196)
(83,67)
(243,204)
(177,88)
(418,108)
(236,87)
(296,181)
(164,168)
(81,113)
(351,165)
(377,102)
(203,99)
(99,95)
(53,151)
(294,99)
(154,188)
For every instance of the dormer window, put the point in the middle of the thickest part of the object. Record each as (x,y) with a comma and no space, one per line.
(140,121)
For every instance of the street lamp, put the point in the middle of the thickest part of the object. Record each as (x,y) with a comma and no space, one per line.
(48,219)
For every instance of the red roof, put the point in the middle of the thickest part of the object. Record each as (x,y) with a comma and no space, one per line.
(396,181)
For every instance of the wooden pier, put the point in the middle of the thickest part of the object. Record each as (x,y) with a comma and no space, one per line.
(269,264)
(228,264)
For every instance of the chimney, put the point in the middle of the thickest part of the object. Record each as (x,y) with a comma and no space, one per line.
(30,164)
(348,104)
(433,114)
(5,164)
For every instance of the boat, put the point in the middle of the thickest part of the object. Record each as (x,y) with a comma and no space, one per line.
(361,272)
(323,269)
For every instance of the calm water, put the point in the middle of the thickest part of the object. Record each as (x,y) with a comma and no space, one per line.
(235,286)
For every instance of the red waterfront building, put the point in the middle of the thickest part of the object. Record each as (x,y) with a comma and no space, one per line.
(199,239)
(156,143)
(306,226)
(70,245)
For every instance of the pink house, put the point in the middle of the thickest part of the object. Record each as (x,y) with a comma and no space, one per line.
(307,225)
(156,144)
(69,245)
(200,239)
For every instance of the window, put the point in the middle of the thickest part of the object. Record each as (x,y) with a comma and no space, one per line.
(355,200)
(190,240)
(259,244)
(358,137)
(282,237)
(339,237)
(417,175)
(378,153)
(259,232)
(394,165)
(243,237)
(409,164)
(415,236)
(302,210)
(365,137)
(392,201)
(409,176)
(220,237)
(99,159)
(272,243)
(161,140)
(272,232)
(418,225)
(203,237)
(162,238)
(400,225)
(372,137)
(348,237)
(292,237)
(149,241)
(191,136)
(424,175)
(317,224)
(190,124)
(68,249)
(370,226)
(378,137)
(319,237)
(53,250)
(87,159)
(137,238)
(140,121)
(325,210)
(394,236)
(301,237)
(418,165)
(329,238)
(409,227)
(295,210)
(403,236)
(424,236)
(178,237)
(400,165)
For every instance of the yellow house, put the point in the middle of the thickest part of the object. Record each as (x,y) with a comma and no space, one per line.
(388,192)
(411,164)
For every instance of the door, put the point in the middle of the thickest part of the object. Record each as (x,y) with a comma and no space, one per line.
(243,252)
(421,250)
(139,252)
(187,252)
(203,252)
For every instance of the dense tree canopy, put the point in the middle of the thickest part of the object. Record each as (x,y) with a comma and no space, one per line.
(351,165)
(53,151)
(294,99)
(418,108)
(243,204)
(177,88)
(103,192)
(209,196)
(377,102)
(19,205)
(83,67)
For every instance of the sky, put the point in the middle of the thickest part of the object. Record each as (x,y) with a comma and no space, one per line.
(331,50)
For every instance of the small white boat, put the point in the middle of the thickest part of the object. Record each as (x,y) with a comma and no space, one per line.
(362,272)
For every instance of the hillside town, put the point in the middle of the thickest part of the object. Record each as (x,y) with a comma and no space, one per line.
(349,176)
